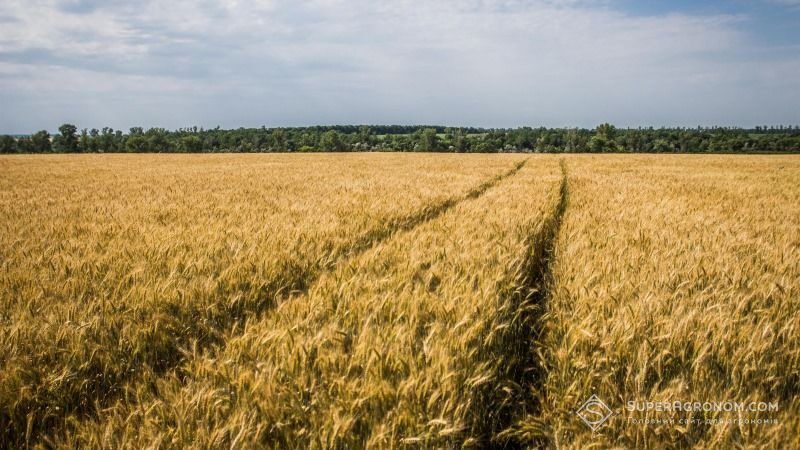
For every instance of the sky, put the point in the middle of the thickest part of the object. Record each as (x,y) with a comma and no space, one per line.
(487,63)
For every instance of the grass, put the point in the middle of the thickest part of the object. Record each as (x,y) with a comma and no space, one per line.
(395,300)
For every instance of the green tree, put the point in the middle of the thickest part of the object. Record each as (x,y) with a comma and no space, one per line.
(67,139)
(309,139)
(40,142)
(365,136)
(571,144)
(524,139)
(541,144)
(136,143)
(608,131)
(157,140)
(8,144)
(331,141)
(459,141)
(603,139)
(428,140)
(661,146)
(600,144)
(107,142)
(83,142)
(24,145)
(279,140)
(191,144)
(94,140)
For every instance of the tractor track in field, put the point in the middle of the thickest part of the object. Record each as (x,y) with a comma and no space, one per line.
(229,324)
(375,237)
(427,214)
(522,368)
(370,240)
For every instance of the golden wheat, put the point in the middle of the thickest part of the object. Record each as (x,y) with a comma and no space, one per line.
(396,301)
(675,279)
(404,344)
(112,267)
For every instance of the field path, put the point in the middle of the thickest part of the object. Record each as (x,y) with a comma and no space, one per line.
(419,340)
(527,369)
(376,236)
(119,279)
(675,280)
(30,420)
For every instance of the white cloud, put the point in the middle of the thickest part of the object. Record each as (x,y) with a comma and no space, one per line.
(490,62)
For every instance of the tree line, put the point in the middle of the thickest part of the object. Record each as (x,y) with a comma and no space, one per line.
(605,138)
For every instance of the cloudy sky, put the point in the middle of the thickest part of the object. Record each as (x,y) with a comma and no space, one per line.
(124,63)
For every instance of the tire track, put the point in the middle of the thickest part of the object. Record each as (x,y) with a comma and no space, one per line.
(371,239)
(195,336)
(427,214)
(522,370)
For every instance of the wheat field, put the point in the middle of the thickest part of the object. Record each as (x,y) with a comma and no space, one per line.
(395,300)
(674,278)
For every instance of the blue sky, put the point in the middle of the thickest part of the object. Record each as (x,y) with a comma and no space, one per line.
(502,63)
